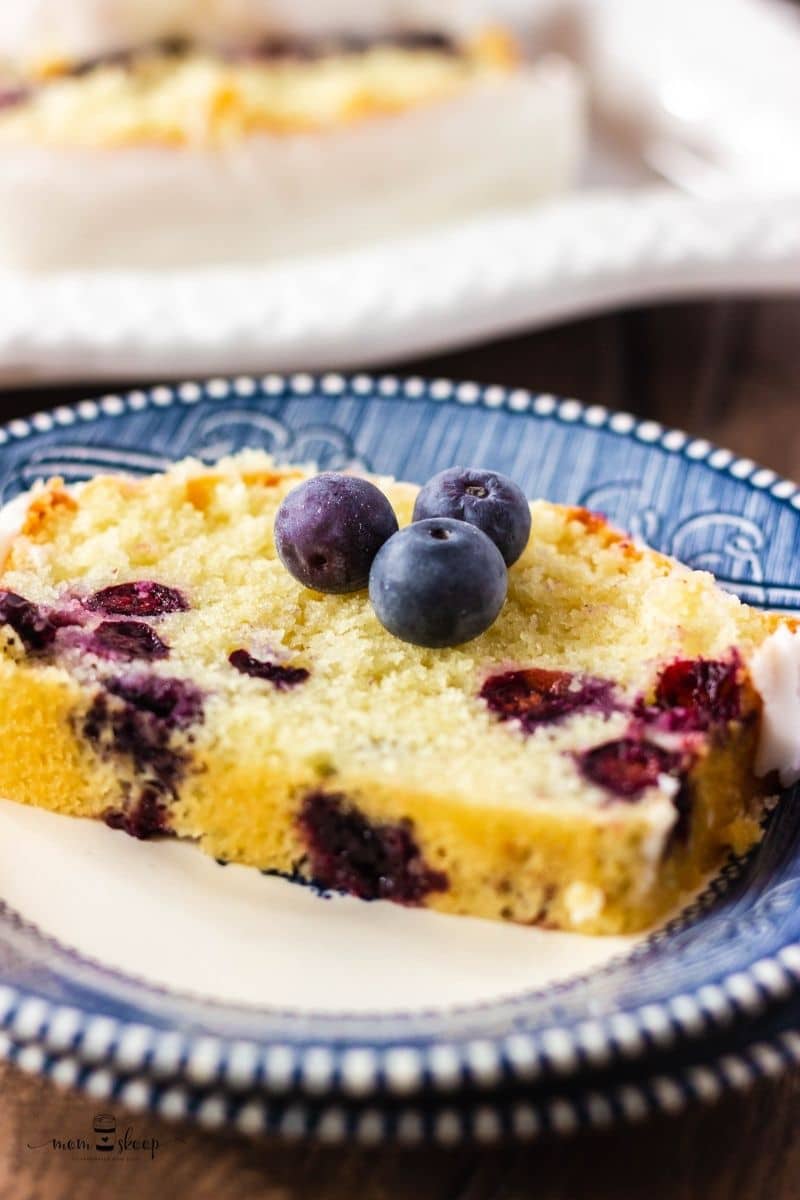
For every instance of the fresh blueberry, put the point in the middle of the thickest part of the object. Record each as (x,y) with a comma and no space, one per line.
(329,529)
(491,502)
(438,583)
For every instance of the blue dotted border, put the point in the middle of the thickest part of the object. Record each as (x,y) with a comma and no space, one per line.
(35,1026)
(468,394)
(447,1124)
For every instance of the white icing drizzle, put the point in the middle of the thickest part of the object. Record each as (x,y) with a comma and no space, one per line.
(507,141)
(775,671)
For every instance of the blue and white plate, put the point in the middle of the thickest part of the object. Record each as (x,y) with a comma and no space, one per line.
(151,961)
(666,1083)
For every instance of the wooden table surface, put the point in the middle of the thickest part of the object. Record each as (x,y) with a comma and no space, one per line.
(729,371)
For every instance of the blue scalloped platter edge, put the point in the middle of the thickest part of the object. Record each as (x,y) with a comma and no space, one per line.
(732,955)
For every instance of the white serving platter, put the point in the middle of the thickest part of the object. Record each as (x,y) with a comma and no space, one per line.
(691,188)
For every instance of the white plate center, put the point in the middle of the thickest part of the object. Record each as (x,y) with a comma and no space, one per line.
(168,914)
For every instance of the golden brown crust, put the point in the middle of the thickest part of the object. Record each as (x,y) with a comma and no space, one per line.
(199,97)
(47,506)
(402,732)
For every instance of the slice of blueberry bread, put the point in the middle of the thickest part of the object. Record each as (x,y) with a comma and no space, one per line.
(179,153)
(582,764)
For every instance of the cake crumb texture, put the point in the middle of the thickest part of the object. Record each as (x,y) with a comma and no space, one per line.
(358,760)
(197,97)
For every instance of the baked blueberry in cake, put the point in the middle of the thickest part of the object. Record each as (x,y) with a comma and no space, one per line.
(578,755)
(177,152)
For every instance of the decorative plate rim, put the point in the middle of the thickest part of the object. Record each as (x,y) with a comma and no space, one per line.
(396,1068)
(497,273)
(478,1120)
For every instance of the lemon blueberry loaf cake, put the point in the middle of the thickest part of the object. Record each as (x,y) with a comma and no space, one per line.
(180,152)
(196,653)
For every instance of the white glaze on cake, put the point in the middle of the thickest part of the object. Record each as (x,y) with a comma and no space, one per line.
(775,669)
(507,141)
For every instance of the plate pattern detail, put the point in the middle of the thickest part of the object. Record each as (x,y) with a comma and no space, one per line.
(730,956)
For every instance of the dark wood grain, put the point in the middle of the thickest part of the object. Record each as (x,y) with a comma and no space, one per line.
(729,371)
(746,1147)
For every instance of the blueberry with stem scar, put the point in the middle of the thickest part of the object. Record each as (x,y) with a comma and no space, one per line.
(491,502)
(329,529)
